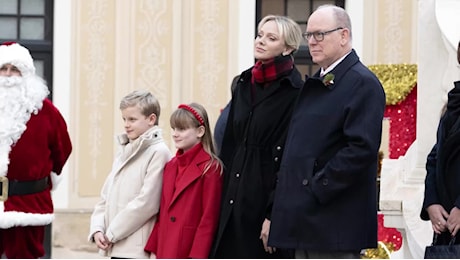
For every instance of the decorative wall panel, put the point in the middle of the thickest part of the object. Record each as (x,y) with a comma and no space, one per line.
(178,50)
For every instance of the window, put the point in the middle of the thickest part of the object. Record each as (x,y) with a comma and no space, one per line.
(298,10)
(29,22)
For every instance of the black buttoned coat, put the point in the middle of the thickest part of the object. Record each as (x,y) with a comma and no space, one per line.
(442,180)
(251,151)
(325,198)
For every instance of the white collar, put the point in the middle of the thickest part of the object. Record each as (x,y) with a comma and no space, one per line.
(333,65)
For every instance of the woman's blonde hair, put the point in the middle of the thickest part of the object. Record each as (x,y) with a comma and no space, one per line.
(195,115)
(289,30)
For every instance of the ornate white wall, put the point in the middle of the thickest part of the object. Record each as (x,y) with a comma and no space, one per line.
(182,51)
(402,183)
(104,48)
(61,91)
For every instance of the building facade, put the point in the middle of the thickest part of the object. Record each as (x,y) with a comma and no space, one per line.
(190,50)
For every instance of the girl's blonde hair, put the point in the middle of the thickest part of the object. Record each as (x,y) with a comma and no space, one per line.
(195,115)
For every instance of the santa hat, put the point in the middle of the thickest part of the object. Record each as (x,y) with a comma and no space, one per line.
(17,55)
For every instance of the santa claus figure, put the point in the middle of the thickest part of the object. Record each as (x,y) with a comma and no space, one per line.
(34,146)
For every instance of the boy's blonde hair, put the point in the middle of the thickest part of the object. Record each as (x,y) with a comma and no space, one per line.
(144,100)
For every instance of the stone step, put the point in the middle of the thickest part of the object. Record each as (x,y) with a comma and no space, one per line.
(70,232)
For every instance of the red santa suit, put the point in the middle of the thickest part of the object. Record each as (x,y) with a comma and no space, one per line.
(34,143)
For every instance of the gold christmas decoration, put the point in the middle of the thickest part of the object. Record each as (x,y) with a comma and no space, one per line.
(397,79)
(382,251)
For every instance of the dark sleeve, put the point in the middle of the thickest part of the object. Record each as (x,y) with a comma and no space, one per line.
(457,202)
(271,197)
(228,139)
(219,128)
(277,154)
(431,195)
(227,147)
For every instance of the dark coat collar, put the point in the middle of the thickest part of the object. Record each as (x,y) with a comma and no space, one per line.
(340,70)
(294,78)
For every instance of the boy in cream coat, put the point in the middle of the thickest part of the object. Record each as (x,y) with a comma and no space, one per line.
(124,217)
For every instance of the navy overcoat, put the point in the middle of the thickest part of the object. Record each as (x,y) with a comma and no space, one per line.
(326,194)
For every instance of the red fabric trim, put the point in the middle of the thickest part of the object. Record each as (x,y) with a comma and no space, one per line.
(8,43)
(403,119)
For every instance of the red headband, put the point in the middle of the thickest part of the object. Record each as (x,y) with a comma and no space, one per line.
(193,111)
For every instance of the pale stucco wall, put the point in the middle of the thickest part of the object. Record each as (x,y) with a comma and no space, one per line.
(105,49)
(182,51)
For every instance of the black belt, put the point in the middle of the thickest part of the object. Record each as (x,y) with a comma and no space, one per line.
(15,187)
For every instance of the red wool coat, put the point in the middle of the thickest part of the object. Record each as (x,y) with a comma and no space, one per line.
(189,207)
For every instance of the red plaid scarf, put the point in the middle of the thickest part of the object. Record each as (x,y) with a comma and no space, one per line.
(264,73)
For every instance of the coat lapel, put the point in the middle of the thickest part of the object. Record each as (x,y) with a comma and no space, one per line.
(261,95)
(193,172)
(339,71)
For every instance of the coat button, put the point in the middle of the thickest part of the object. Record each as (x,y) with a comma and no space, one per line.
(276,159)
(278,148)
(237,175)
(325,182)
(231,202)
(173,219)
(304,182)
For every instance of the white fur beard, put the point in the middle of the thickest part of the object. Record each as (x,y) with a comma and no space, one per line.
(19,98)
(10,82)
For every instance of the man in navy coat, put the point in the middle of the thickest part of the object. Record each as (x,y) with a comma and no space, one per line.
(325,203)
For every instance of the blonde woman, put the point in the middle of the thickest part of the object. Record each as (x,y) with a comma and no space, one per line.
(253,143)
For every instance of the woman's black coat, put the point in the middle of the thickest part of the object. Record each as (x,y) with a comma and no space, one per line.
(251,152)
(442,181)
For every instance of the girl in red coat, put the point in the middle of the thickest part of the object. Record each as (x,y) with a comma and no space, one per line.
(192,187)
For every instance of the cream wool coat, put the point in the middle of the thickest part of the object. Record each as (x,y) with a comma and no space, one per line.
(130,196)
